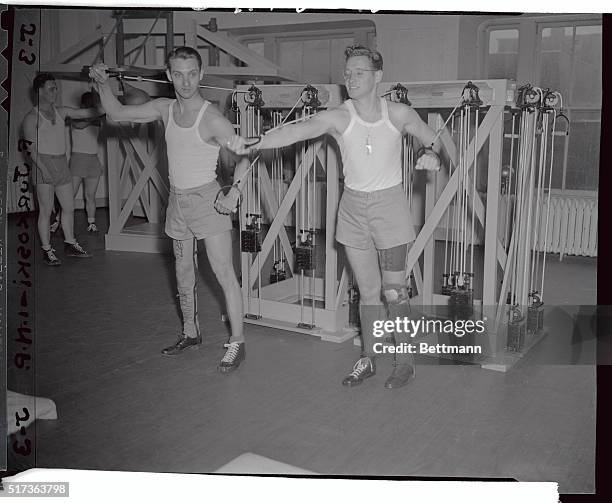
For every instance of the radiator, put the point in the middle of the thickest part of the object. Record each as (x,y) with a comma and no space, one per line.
(572,225)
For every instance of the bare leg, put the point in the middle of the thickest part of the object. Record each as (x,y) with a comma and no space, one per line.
(91,186)
(364,264)
(44,195)
(65,196)
(76,183)
(219,251)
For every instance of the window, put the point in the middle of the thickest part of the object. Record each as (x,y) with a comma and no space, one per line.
(569,58)
(563,53)
(313,52)
(502,60)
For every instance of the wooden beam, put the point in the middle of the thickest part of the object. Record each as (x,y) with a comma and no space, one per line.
(272,203)
(241,52)
(283,211)
(82,45)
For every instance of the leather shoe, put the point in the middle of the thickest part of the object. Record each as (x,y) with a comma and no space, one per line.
(402,374)
(183,344)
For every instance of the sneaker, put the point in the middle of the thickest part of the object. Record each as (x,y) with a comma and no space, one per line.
(92,228)
(234,355)
(184,343)
(54,226)
(364,367)
(50,258)
(75,250)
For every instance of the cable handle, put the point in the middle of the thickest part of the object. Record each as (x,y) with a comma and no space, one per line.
(429,151)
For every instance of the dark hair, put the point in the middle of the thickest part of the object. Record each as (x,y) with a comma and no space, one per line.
(90,99)
(40,80)
(184,52)
(376,60)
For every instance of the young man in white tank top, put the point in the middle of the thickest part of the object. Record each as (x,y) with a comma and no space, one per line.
(374,221)
(195,131)
(44,127)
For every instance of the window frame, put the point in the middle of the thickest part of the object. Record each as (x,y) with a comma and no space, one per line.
(529,57)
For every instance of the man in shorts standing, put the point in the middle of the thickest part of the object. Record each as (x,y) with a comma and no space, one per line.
(195,131)
(44,127)
(85,166)
(374,223)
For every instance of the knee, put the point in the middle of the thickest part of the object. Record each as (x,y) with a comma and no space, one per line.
(369,295)
(225,274)
(395,294)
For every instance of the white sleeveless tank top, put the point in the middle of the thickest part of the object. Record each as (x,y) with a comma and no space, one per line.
(371,152)
(85,141)
(191,161)
(51,137)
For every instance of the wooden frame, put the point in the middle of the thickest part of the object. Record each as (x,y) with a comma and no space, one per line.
(276,306)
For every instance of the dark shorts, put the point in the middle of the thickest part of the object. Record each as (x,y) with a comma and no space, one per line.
(380,219)
(57,166)
(85,165)
(191,213)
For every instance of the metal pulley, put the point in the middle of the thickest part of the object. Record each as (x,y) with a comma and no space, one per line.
(254,97)
(527,97)
(399,94)
(470,95)
(310,97)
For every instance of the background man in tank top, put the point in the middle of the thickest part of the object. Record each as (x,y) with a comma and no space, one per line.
(85,165)
(44,127)
(195,131)
(374,223)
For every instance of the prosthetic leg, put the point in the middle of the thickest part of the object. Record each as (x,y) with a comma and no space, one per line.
(186,264)
(397,298)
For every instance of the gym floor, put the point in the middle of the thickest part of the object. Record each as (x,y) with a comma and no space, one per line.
(102,322)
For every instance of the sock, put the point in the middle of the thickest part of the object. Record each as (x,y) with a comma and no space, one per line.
(46,247)
(368,315)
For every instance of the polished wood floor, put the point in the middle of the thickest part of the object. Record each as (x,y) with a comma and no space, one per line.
(101,324)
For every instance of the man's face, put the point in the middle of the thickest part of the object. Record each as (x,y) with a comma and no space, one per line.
(185,76)
(359,76)
(48,92)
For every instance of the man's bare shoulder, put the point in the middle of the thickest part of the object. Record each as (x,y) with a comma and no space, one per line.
(338,117)
(31,116)
(400,109)
(162,104)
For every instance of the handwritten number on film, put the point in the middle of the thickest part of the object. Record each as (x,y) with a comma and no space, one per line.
(23,445)
(25,36)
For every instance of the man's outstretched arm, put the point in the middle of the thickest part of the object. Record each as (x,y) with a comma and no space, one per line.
(148,111)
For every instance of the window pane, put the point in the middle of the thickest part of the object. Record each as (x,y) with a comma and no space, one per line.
(583,156)
(587,67)
(556,59)
(337,58)
(291,53)
(559,156)
(316,61)
(502,62)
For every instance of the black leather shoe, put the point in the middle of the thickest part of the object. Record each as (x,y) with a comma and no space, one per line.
(183,344)
(364,367)
(235,354)
(402,374)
